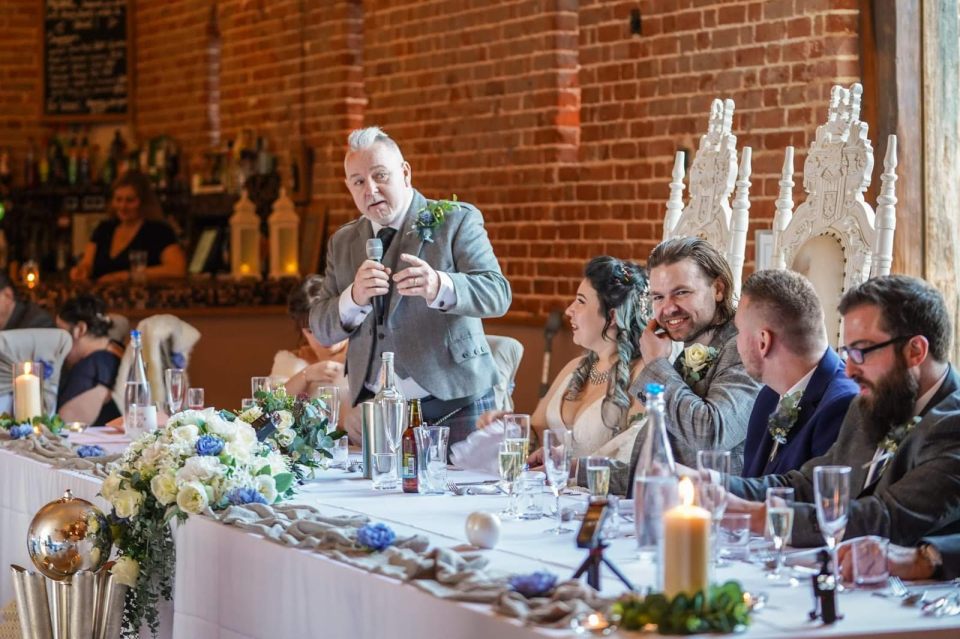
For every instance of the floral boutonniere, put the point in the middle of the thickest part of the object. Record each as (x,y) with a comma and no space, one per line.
(695,360)
(897,434)
(432,216)
(783,419)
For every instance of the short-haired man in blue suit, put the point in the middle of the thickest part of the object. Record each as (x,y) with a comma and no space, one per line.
(783,344)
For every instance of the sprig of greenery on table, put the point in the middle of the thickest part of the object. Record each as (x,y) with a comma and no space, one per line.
(53,423)
(722,609)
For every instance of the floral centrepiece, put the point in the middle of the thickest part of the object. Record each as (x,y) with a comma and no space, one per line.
(199,460)
(19,429)
(294,425)
(695,360)
(723,609)
(431,216)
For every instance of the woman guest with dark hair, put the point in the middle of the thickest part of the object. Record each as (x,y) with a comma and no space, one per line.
(589,396)
(90,370)
(135,224)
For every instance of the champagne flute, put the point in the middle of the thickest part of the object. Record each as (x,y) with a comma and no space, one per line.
(393,415)
(831,493)
(557,450)
(598,476)
(330,396)
(714,467)
(510,464)
(780,527)
(516,432)
(175,380)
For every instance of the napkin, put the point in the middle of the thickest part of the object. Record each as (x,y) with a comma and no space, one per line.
(479,451)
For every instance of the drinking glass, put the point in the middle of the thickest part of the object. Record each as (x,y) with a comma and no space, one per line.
(195,398)
(385,471)
(831,494)
(735,535)
(598,476)
(432,459)
(510,465)
(330,396)
(557,451)
(393,417)
(341,453)
(259,384)
(869,559)
(175,381)
(138,266)
(714,467)
(247,402)
(516,432)
(780,527)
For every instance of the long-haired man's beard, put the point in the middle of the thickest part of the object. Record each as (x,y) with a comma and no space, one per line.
(891,401)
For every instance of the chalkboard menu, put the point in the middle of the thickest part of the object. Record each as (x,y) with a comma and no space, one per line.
(86,59)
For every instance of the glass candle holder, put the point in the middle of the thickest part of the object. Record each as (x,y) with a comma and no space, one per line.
(27,390)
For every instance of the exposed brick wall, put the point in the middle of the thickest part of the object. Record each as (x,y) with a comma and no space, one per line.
(550,115)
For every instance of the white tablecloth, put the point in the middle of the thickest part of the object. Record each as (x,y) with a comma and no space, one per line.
(233,585)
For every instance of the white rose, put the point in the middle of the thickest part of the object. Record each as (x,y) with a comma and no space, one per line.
(188,434)
(267,487)
(239,451)
(164,488)
(277,463)
(283,419)
(127,502)
(246,435)
(126,571)
(285,437)
(227,431)
(200,468)
(695,357)
(192,497)
(110,486)
(251,415)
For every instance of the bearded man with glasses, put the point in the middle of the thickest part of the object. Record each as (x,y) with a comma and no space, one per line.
(901,436)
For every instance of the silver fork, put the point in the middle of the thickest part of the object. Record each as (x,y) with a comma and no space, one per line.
(454,488)
(900,590)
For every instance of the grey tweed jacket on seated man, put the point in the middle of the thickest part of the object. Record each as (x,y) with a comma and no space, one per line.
(917,493)
(712,413)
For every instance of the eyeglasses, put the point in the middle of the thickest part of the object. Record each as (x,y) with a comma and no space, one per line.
(857,355)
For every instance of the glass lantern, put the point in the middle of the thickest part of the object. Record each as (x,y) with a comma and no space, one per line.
(284,226)
(27,391)
(244,239)
(30,274)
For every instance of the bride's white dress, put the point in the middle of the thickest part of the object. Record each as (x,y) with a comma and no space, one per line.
(590,436)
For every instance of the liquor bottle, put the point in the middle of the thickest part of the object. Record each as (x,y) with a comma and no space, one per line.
(389,408)
(408,446)
(655,479)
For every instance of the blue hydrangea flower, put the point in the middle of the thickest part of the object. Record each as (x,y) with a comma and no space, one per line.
(21,431)
(90,451)
(535,584)
(209,445)
(241,496)
(376,536)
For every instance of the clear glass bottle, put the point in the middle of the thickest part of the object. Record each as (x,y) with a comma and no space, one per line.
(138,370)
(655,478)
(390,408)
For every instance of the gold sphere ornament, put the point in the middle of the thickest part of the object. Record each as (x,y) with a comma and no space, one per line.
(68,535)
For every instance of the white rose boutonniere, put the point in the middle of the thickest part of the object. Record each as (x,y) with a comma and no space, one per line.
(695,360)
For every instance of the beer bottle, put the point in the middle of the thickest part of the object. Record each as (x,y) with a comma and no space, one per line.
(409,448)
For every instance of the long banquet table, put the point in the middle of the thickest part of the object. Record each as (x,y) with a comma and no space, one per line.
(231,584)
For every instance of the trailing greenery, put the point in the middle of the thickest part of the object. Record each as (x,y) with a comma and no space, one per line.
(723,609)
(53,423)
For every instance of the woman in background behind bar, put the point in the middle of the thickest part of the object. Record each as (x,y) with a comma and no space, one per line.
(135,224)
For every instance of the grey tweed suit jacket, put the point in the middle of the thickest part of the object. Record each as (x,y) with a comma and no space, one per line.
(713,413)
(917,494)
(445,351)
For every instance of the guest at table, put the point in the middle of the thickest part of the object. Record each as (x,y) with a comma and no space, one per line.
(589,396)
(90,369)
(707,392)
(19,313)
(438,279)
(783,344)
(931,558)
(135,224)
(900,434)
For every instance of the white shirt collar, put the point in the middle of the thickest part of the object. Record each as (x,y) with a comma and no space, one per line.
(924,399)
(397,223)
(802,383)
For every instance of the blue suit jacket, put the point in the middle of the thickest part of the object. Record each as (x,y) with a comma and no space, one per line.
(822,408)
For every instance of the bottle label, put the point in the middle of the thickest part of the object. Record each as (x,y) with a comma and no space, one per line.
(409,466)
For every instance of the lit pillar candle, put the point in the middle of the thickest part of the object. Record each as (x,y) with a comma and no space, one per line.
(26,395)
(686,545)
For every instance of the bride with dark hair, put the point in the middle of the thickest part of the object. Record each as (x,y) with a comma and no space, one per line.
(589,396)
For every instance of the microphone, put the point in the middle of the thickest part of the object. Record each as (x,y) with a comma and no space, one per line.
(375,253)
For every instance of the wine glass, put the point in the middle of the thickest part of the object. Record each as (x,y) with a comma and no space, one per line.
(557,450)
(195,398)
(780,527)
(831,493)
(510,464)
(714,467)
(175,380)
(330,396)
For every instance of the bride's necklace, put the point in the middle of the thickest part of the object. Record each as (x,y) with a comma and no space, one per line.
(596,377)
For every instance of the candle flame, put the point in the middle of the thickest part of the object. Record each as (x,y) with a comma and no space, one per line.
(27,368)
(686,491)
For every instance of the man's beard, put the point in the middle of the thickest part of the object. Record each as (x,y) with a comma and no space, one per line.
(891,401)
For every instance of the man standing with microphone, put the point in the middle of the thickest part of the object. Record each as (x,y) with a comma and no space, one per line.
(397,280)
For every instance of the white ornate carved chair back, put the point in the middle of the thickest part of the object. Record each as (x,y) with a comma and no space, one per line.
(834,237)
(713,176)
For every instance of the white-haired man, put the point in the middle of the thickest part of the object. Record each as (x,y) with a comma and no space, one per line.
(424,300)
